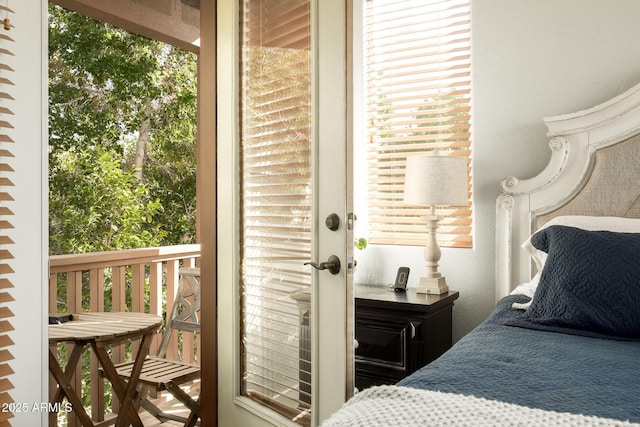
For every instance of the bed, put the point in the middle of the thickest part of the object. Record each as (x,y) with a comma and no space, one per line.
(562,346)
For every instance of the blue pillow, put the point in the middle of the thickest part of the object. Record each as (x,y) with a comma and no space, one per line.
(590,283)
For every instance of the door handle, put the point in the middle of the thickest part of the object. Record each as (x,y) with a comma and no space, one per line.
(332,264)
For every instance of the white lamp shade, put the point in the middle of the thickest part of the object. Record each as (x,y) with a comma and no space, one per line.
(433,179)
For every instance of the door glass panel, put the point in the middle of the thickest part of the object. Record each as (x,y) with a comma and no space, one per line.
(275,204)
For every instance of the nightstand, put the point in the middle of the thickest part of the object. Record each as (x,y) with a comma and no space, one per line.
(398,332)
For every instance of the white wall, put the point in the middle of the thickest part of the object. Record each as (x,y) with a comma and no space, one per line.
(30,263)
(530,59)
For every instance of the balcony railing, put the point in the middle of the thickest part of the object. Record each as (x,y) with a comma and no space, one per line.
(139,280)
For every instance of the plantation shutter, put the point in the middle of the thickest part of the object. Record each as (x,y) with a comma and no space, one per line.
(418,89)
(275,204)
(6,114)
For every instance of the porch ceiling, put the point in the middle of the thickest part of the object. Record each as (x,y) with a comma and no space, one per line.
(176,22)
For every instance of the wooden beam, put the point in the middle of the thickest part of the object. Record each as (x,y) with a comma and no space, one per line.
(171,21)
(207,211)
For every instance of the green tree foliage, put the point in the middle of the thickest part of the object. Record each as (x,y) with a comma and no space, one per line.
(122,119)
(100,205)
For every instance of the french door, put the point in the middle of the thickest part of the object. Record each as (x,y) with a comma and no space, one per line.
(284,313)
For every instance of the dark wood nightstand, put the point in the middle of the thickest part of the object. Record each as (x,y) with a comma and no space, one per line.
(398,332)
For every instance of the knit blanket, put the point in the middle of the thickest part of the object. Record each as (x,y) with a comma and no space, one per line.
(388,406)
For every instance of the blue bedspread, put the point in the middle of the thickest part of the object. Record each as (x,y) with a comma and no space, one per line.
(546,370)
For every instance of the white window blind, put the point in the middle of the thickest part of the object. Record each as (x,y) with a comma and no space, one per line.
(418,89)
(275,150)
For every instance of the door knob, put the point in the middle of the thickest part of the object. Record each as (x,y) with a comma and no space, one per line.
(332,222)
(332,264)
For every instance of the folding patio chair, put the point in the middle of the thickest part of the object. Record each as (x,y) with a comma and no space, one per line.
(162,374)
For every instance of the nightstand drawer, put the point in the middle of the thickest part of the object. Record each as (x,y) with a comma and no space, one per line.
(382,342)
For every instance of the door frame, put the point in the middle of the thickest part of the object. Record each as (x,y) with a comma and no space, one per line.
(332,123)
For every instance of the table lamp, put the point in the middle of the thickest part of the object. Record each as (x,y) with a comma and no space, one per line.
(435,180)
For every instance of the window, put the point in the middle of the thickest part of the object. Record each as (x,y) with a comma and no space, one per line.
(417,95)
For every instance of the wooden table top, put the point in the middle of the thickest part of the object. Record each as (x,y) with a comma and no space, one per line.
(104,327)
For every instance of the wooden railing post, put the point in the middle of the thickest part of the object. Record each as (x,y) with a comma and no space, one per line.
(96,304)
(172,287)
(74,305)
(155,298)
(53,308)
(137,296)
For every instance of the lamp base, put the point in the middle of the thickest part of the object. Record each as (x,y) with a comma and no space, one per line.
(432,286)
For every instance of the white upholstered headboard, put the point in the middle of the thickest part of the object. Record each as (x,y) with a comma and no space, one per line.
(594,169)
